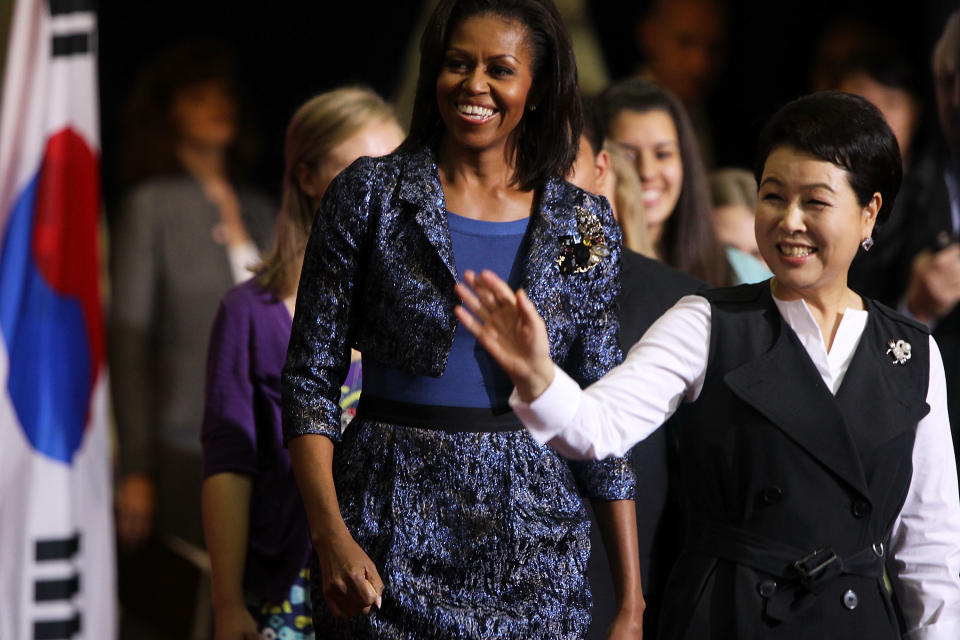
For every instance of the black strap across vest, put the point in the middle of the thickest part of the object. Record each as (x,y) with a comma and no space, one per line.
(804,573)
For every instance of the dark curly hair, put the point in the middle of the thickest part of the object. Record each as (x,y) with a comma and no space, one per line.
(547,138)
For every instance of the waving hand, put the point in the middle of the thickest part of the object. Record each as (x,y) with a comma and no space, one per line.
(508,326)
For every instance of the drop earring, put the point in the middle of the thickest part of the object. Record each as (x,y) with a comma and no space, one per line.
(867,244)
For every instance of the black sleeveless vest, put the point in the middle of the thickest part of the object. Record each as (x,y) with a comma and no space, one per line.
(790,492)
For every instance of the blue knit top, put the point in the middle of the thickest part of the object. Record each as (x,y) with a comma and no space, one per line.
(471,378)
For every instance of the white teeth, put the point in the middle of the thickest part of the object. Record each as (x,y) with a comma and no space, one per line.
(651,195)
(794,251)
(474,110)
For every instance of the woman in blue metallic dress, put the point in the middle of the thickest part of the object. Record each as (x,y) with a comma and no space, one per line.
(434,513)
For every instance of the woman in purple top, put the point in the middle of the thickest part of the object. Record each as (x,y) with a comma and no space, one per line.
(253,516)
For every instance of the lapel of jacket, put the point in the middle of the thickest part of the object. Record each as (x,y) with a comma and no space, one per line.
(798,402)
(541,275)
(420,186)
(895,408)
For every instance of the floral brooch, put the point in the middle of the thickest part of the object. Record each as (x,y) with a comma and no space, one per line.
(900,350)
(585,249)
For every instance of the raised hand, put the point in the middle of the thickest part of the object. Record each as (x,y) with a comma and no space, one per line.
(508,326)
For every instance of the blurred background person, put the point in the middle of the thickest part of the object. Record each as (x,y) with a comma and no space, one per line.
(883,76)
(651,127)
(843,39)
(879,72)
(627,201)
(256,529)
(934,288)
(606,170)
(188,231)
(683,44)
(734,195)
(647,289)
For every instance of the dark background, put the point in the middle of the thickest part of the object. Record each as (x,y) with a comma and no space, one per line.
(288,51)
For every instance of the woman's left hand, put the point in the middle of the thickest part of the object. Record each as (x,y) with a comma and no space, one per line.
(234,622)
(627,625)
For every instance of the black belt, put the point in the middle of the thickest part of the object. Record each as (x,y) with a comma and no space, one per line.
(437,417)
(812,571)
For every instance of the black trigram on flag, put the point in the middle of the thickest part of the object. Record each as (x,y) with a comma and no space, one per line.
(72,36)
(56,590)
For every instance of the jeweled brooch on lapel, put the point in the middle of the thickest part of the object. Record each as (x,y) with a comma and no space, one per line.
(900,350)
(585,249)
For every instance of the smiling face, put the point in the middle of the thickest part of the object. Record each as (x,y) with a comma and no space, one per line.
(650,140)
(809,223)
(484,82)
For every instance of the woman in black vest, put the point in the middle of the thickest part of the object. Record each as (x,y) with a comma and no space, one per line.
(814,441)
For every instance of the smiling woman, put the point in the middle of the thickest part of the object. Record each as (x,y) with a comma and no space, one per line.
(435,512)
(484,84)
(652,128)
(554,111)
(815,455)
(819,200)
(809,223)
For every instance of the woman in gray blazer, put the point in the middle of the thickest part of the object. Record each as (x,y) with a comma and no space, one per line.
(185,235)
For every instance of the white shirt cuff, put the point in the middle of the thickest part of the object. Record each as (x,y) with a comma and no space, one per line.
(548,417)
(243,258)
(940,631)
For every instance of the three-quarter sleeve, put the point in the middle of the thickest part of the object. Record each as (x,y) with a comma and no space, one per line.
(135,276)
(924,563)
(594,353)
(318,356)
(229,432)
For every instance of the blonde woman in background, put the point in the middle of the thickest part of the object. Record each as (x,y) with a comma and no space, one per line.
(253,515)
(734,194)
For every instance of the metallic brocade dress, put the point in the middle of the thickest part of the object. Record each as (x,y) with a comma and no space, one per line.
(475,534)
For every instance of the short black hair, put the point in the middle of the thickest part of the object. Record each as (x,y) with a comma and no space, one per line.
(547,137)
(845,130)
(592,125)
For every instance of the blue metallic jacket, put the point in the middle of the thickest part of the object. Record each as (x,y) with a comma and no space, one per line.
(379,276)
